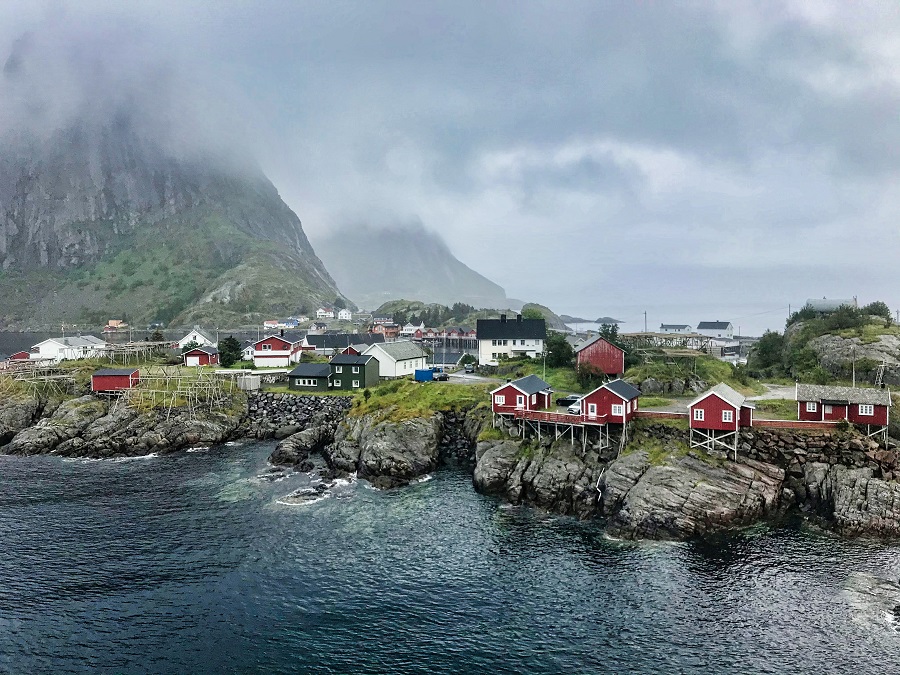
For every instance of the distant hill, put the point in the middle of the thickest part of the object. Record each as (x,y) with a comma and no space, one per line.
(373,266)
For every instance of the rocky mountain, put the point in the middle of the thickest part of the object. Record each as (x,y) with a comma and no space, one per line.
(374,265)
(99,221)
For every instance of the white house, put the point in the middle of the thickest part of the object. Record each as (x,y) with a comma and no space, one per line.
(716,329)
(675,328)
(69,348)
(277,351)
(324,313)
(410,329)
(202,338)
(397,359)
(344,314)
(501,338)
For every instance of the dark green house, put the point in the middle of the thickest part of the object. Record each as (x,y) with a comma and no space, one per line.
(349,371)
(310,377)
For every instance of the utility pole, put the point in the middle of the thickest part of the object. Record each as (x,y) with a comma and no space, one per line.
(853,361)
(645,321)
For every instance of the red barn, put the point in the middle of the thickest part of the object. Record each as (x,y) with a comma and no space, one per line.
(111,379)
(721,409)
(615,402)
(350,351)
(201,356)
(602,355)
(526,393)
(854,404)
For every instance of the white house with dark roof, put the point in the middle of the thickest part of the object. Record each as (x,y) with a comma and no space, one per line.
(397,359)
(716,329)
(505,338)
(345,315)
(198,336)
(675,328)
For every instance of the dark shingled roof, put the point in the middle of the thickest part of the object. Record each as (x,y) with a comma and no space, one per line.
(530,384)
(494,329)
(115,371)
(817,392)
(622,389)
(351,360)
(713,325)
(343,340)
(212,351)
(311,370)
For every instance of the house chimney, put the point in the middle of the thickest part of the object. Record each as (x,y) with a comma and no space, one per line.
(518,318)
(281,332)
(503,318)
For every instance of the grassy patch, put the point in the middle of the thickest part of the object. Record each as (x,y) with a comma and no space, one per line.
(655,402)
(400,400)
(491,434)
(776,408)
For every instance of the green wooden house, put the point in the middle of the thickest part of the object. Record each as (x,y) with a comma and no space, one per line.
(310,377)
(349,371)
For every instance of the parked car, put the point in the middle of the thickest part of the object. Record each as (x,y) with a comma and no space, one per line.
(567,400)
(470,368)
(575,408)
(442,377)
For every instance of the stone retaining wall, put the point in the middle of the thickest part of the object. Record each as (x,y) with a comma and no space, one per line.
(280,415)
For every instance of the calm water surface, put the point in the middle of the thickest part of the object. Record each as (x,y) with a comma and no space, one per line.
(191,564)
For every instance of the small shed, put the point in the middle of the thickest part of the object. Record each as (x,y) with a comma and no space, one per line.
(201,356)
(20,356)
(526,393)
(310,377)
(114,379)
(601,355)
(716,416)
(615,402)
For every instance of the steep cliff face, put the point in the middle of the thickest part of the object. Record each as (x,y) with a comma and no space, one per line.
(100,219)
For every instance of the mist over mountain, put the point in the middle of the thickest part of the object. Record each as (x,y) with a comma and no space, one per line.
(110,206)
(373,265)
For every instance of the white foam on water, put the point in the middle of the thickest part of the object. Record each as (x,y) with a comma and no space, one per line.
(309,502)
(199,448)
(152,455)
(424,479)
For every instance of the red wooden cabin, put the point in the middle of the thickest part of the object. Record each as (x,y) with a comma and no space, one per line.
(526,393)
(720,409)
(602,355)
(114,379)
(615,402)
(854,404)
(201,356)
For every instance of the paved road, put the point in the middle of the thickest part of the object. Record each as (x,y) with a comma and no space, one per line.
(782,391)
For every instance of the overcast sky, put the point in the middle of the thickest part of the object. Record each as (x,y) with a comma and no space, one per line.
(698,161)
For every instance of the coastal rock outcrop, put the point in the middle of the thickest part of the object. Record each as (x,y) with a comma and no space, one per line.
(16,415)
(853,501)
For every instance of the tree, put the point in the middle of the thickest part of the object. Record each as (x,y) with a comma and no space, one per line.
(532,313)
(339,303)
(767,353)
(157,336)
(878,308)
(193,344)
(559,352)
(229,351)
(610,333)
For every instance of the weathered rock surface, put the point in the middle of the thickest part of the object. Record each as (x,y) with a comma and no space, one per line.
(272,415)
(853,500)
(836,355)
(388,454)
(89,427)
(690,497)
(16,415)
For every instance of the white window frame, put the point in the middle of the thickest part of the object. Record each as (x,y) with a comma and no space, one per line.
(699,414)
(356,384)
(355,369)
(339,369)
(499,399)
(533,399)
(811,406)
(618,409)
(265,348)
(592,409)
(866,409)
(827,409)
(728,416)
(336,383)
(520,400)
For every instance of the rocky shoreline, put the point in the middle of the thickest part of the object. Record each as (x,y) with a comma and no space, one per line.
(657,488)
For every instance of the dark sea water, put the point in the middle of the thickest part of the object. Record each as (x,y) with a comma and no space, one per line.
(190,564)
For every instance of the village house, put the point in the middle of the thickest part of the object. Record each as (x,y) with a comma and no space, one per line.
(397,359)
(857,405)
(716,416)
(345,315)
(318,328)
(114,379)
(716,329)
(271,324)
(310,377)
(382,320)
(602,355)
(410,329)
(201,356)
(325,313)
(614,402)
(198,337)
(277,351)
(675,328)
(390,331)
(354,372)
(69,348)
(334,343)
(501,338)
(526,393)
(114,325)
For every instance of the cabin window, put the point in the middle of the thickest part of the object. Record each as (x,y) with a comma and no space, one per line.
(866,409)
(728,416)
(307,383)
(339,369)
(810,406)
(266,348)
(522,342)
(356,384)
(500,399)
(337,383)
(826,409)
(534,398)
(698,414)
(355,369)
(618,409)
(520,400)
(493,343)
(592,409)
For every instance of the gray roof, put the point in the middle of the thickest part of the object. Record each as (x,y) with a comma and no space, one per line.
(212,351)
(342,340)
(622,389)
(503,328)
(530,384)
(818,392)
(115,371)
(202,333)
(401,350)
(593,340)
(673,325)
(79,341)
(713,325)
(311,370)
(727,394)
(352,359)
